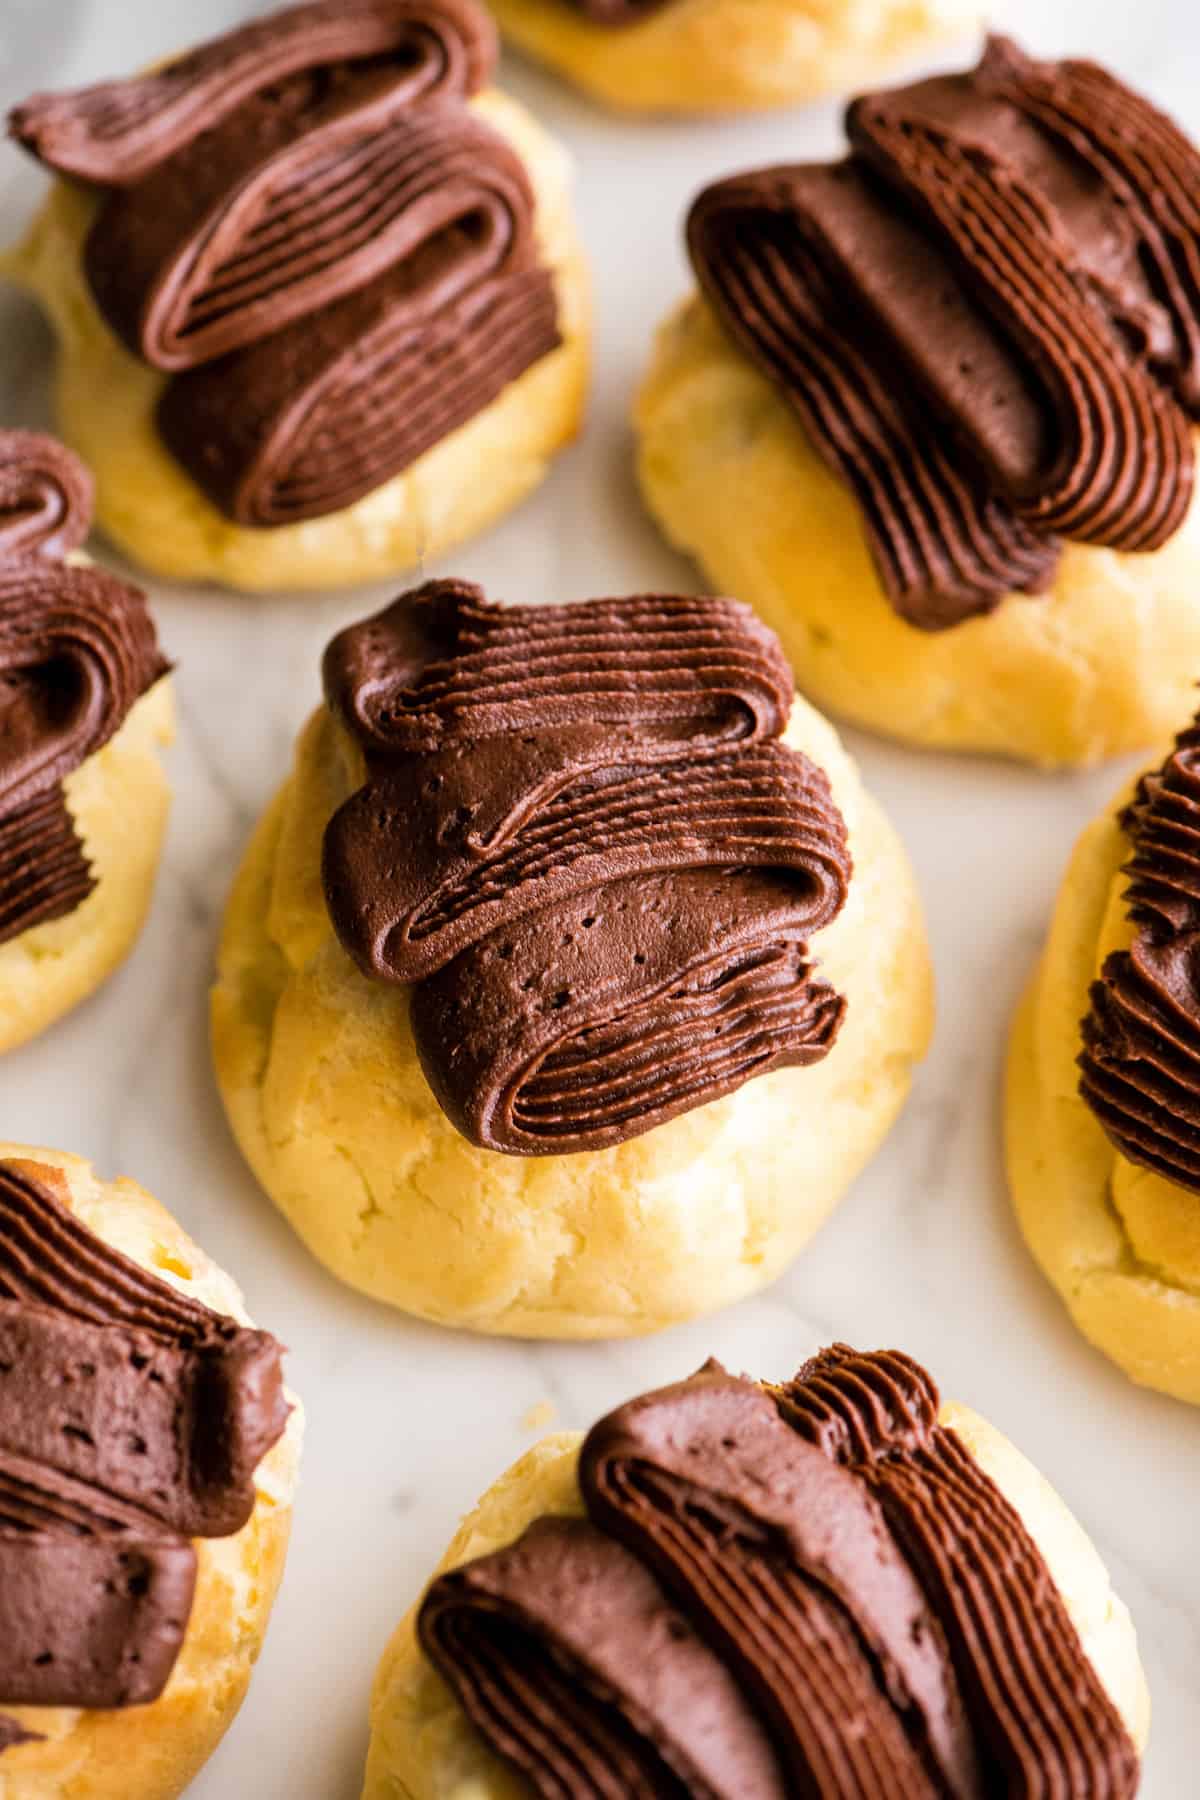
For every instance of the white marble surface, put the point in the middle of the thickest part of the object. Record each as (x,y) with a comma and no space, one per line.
(409,1424)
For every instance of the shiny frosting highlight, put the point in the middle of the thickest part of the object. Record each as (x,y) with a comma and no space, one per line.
(580,835)
(46,497)
(77,650)
(889,1628)
(1141,1039)
(987,318)
(131,1420)
(304,225)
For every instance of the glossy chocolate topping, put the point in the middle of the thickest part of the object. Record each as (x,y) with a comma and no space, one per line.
(46,497)
(305,222)
(77,650)
(131,1419)
(1141,1056)
(887,1620)
(118,132)
(538,1642)
(580,834)
(987,318)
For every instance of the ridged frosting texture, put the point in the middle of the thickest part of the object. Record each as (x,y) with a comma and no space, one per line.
(805,1590)
(986,317)
(132,1419)
(582,838)
(77,649)
(303,225)
(1141,1039)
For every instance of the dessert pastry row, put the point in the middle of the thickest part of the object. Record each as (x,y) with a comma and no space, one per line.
(574,937)
(836,1586)
(931,412)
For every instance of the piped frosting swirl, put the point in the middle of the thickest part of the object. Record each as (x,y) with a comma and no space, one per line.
(889,1628)
(306,227)
(1141,1039)
(581,836)
(986,317)
(77,650)
(132,1419)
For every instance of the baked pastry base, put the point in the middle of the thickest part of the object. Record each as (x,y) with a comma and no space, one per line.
(149,507)
(1120,1243)
(702,56)
(119,800)
(424,1748)
(153,1752)
(327,1099)
(1104,664)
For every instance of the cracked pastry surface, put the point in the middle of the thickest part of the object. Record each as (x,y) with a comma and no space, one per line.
(710,56)
(152,1752)
(148,506)
(1119,1240)
(424,1748)
(325,1093)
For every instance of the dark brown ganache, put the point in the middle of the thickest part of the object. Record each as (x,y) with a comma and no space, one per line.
(807,1590)
(987,318)
(132,1419)
(77,650)
(580,836)
(1141,1038)
(304,225)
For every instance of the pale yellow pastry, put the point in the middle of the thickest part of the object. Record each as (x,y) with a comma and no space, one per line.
(118,799)
(423,1747)
(708,56)
(1120,1242)
(1104,663)
(153,1752)
(150,508)
(323,1089)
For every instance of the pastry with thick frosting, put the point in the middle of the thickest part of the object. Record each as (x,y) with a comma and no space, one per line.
(148,1458)
(308,392)
(721,56)
(837,1587)
(933,411)
(85,704)
(1104,1082)
(572,976)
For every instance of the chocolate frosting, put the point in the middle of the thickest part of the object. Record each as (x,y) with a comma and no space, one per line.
(321,345)
(131,1419)
(580,834)
(1141,1057)
(539,1644)
(886,1618)
(77,650)
(46,497)
(986,317)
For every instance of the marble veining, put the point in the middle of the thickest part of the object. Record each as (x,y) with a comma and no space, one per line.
(408,1424)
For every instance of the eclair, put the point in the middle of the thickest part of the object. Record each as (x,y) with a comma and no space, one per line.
(726,56)
(572,976)
(932,411)
(1103,1112)
(148,1460)
(85,708)
(836,1586)
(320,305)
